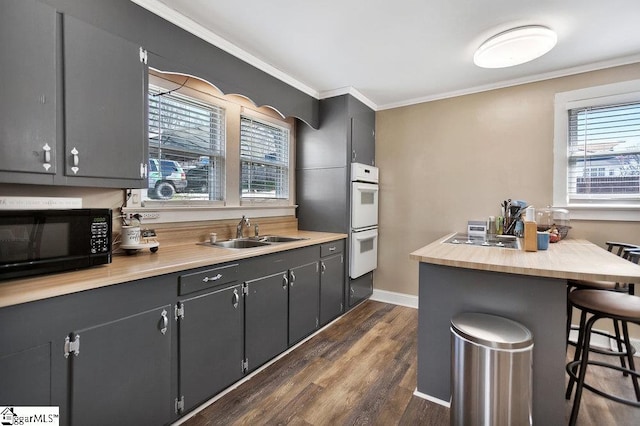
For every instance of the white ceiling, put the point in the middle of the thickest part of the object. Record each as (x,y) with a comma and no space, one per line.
(400,52)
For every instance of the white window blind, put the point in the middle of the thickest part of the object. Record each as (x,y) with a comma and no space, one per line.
(187,135)
(264,157)
(604,153)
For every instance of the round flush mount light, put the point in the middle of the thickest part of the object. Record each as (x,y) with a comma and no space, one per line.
(515,46)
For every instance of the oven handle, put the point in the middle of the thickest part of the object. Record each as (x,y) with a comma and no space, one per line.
(366,235)
(365,187)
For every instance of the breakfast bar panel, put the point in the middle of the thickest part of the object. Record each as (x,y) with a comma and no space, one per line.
(539,303)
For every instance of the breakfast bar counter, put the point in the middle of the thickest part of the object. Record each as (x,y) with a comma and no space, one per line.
(528,287)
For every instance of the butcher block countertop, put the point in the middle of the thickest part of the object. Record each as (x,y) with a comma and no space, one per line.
(144,264)
(567,259)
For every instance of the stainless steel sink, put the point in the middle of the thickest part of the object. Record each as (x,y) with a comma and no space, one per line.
(240,244)
(279,239)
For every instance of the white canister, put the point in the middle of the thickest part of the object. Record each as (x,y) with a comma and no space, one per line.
(130,235)
(530,214)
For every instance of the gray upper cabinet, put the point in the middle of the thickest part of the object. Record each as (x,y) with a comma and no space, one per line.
(346,135)
(28,89)
(363,143)
(105,104)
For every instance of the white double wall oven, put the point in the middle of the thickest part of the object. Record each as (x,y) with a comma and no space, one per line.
(363,253)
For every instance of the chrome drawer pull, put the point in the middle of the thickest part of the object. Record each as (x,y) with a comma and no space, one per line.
(216,278)
(332,248)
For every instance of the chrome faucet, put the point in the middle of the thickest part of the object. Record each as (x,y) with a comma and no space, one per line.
(244,221)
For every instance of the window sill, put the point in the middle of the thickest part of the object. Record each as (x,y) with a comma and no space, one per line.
(604,213)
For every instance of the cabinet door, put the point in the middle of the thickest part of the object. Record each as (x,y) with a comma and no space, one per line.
(121,373)
(27,86)
(211,344)
(266,318)
(304,301)
(331,288)
(105,104)
(363,143)
(360,289)
(26,377)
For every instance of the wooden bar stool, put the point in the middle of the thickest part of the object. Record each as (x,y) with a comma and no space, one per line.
(620,307)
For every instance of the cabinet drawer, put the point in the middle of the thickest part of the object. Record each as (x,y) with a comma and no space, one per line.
(333,247)
(206,279)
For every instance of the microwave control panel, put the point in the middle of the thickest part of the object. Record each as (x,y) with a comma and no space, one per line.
(99,235)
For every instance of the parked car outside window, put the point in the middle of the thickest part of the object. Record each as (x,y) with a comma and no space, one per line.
(166,177)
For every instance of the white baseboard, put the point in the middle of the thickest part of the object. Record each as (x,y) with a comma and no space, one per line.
(605,342)
(432,399)
(395,298)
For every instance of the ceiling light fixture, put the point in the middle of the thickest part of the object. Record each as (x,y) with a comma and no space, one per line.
(515,46)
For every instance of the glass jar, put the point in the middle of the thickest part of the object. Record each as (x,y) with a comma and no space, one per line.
(554,220)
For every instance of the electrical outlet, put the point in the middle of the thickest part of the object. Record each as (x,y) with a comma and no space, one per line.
(142,215)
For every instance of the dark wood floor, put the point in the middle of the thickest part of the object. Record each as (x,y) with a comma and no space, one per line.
(361,371)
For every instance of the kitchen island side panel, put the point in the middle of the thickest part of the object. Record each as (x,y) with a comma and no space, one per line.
(537,303)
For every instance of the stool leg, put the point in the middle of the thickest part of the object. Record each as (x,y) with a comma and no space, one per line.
(578,352)
(632,366)
(583,368)
(616,329)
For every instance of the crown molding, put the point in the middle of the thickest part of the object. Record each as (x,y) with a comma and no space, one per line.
(516,82)
(162,10)
(349,91)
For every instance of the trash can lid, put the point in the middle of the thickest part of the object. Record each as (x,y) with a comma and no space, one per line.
(492,331)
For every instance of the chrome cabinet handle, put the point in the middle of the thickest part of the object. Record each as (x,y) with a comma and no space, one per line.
(323,267)
(285,281)
(353,155)
(293,278)
(47,157)
(164,321)
(332,248)
(76,160)
(236,299)
(215,278)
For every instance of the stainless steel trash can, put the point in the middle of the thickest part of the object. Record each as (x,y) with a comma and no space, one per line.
(490,371)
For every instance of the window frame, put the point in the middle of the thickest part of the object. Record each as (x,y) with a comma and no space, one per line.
(192,97)
(253,201)
(233,206)
(609,94)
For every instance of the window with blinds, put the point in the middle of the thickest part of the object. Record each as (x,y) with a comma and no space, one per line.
(604,153)
(186,148)
(264,159)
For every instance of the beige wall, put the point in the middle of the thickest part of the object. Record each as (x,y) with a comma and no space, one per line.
(448,161)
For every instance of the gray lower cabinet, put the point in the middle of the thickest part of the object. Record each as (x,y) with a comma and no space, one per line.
(360,288)
(147,351)
(266,318)
(211,343)
(304,295)
(120,372)
(27,89)
(332,276)
(26,377)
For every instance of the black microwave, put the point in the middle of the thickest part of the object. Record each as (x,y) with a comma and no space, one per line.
(43,241)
